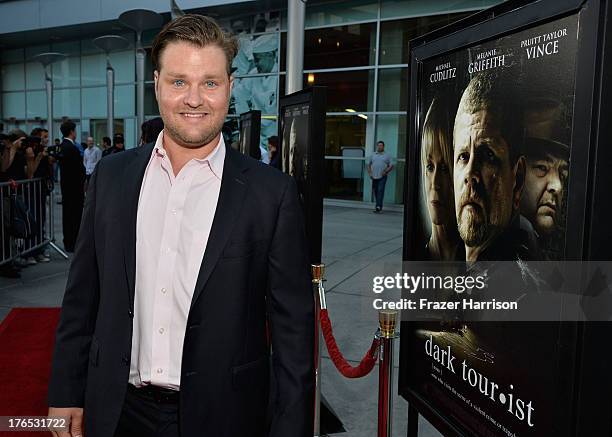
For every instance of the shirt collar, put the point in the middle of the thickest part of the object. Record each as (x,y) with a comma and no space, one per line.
(70,139)
(215,159)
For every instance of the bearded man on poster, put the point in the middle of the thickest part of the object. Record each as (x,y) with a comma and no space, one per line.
(489,171)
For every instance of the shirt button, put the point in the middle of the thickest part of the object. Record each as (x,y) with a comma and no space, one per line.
(163,290)
(174,211)
(160,370)
(161,330)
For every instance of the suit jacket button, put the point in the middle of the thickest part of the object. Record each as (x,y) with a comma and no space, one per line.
(131,314)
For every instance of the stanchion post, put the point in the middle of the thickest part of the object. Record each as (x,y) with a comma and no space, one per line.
(387,321)
(318,273)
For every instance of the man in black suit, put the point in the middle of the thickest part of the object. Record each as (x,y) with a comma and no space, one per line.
(182,285)
(72,174)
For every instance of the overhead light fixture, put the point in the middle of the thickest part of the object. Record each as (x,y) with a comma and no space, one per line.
(319,40)
(311,78)
(350,110)
(337,43)
(365,117)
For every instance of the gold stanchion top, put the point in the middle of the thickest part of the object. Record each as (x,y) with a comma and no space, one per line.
(318,272)
(387,320)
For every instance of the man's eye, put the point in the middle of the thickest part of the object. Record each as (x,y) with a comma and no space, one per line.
(430,167)
(541,169)
(178,83)
(463,156)
(211,83)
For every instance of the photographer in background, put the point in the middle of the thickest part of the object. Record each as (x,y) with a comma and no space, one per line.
(39,165)
(13,157)
(12,167)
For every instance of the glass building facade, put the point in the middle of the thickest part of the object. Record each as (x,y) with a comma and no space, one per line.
(358,49)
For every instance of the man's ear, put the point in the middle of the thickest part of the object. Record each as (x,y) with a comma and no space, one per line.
(231,85)
(520,169)
(156,80)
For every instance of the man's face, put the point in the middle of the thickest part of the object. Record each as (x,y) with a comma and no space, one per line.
(265,61)
(193,91)
(119,145)
(542,199)
(380,147)
(44,138)
(487,186)
(90,142)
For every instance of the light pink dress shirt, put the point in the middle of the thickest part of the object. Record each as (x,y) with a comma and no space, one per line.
(174,218)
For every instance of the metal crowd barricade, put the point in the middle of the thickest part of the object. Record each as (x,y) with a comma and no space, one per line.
(32,196)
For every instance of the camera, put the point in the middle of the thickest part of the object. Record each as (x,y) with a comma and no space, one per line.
(53,151)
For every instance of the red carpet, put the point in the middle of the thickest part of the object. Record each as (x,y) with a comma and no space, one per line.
(26,345)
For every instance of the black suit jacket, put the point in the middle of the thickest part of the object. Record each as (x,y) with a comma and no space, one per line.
(71,168)
(254,270)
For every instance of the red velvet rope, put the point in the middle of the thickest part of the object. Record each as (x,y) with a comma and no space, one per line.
(363,368)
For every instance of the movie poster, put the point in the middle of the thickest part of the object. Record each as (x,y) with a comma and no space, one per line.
(294,146)
(493,154)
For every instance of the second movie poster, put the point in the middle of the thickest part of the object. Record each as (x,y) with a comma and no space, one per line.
(493,154)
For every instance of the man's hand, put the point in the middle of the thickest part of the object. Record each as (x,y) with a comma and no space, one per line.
(74,416)
(17,143)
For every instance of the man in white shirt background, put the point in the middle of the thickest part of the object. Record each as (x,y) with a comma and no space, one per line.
(91,156)
(378,169)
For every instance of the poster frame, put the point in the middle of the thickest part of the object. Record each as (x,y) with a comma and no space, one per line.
(316,98)
(252,144)
(589,211)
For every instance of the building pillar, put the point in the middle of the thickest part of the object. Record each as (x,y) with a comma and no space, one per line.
(295,45)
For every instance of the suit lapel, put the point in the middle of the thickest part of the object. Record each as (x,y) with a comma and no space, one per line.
(130,191)
(231,199)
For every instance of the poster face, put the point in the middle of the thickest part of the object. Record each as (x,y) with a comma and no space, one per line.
(493,153)
(294,145)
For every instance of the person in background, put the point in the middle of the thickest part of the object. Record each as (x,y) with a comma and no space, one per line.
(118,145)
(13,159)
(106,144)
(90,158)
(378,169)
(13,167)
(8,269)
(40,165)
(273,152)
(150,130)
(80,147)
(72,182)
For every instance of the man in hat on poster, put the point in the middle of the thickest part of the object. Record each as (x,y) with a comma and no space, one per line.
(547,165)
